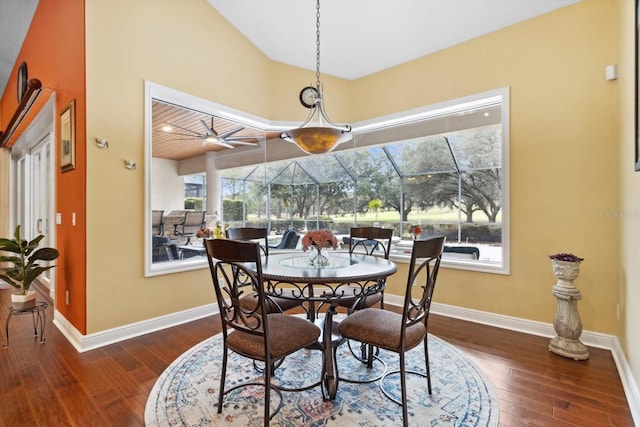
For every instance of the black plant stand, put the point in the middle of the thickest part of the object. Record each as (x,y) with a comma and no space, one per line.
(37,314)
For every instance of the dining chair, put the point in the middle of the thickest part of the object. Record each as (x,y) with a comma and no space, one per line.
(157,223)
(191,223)
(400,332)
(253,333)
(274,304)
(369,241)
(250,233)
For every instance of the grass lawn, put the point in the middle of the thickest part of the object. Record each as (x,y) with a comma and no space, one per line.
(435,215)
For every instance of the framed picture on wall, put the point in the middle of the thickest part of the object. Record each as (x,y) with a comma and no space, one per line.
(68,137)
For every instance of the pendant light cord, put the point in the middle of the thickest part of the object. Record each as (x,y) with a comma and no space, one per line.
(318,45)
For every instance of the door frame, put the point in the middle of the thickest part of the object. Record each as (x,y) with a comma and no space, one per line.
(43,126)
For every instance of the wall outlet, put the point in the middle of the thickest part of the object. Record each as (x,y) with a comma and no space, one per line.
(66,297)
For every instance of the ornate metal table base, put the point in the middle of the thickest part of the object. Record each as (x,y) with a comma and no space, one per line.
(344,277)
(38,316)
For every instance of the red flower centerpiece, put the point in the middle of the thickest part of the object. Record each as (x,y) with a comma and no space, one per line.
(417,231)
(319,241)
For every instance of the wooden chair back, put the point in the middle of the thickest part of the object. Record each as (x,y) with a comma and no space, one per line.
(250,233)
(423,271)
(232,280)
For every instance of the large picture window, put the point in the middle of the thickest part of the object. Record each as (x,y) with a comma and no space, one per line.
(442,168)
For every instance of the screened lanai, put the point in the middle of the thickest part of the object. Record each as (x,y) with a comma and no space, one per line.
(458,174)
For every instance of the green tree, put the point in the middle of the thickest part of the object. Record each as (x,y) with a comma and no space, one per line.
(375,205)
(480,183)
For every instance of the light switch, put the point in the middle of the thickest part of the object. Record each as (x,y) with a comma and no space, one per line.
(73,219)
(58,218)
(611,72)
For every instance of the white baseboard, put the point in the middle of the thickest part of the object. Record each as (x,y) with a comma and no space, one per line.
(628,382)
(84,343)
(588,338)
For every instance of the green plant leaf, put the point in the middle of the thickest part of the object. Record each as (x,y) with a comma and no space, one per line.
(29,247)
(9,245)
(9,258)
(45,254)
(33,274)
(16,234)
(10,281)
(25,267)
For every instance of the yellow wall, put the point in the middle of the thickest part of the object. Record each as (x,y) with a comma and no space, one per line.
(171,43)
(563,145)
(564,153)
(185,45)
(629,212)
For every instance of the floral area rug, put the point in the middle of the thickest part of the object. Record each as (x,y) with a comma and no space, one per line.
(186,394)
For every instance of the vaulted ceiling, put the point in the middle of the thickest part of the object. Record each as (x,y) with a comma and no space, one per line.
(357,38)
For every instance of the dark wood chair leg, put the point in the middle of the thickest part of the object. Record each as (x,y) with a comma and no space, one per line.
(403,387)
(426,361)
(223,375)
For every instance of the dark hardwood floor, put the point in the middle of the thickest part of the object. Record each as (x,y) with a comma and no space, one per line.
(54,385)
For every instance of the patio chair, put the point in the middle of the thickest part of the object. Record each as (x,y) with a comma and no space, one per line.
(163,249)
(289,240)
(190,225)
(466,252)
(157,222)
(253,333)
(401,332)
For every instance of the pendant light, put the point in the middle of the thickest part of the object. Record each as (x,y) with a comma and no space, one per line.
(327,135)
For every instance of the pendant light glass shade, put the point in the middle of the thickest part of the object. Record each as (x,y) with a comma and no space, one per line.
(317,140)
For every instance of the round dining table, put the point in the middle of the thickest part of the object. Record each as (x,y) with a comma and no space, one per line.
(345,277)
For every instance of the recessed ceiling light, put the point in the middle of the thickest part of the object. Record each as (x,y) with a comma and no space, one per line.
(167,128)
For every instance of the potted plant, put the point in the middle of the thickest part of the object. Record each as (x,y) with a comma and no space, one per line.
(24,268)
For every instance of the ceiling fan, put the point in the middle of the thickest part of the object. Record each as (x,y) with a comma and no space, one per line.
(211,136)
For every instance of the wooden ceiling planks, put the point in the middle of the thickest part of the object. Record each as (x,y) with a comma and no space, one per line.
(187,137)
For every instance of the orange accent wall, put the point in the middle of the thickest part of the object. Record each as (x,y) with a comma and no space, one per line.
(54,51)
